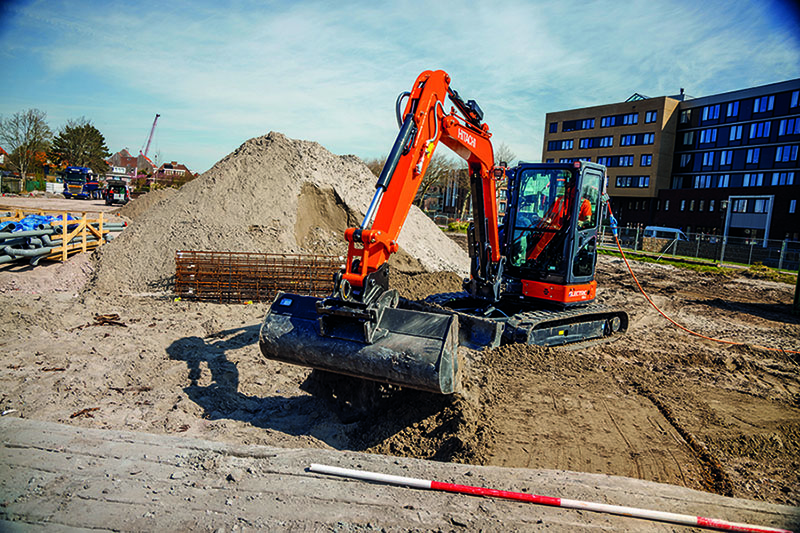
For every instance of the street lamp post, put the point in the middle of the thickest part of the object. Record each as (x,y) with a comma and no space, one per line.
(725,217)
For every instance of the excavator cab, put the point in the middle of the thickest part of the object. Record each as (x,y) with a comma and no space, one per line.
(550,236)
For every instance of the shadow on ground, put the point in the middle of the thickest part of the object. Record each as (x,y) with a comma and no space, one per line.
(364,413)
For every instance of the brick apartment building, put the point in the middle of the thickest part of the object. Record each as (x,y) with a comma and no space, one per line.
(722,163)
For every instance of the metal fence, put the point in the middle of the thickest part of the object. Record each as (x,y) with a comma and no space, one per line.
(783,255)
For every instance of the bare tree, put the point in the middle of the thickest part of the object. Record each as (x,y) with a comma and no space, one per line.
(503,154)
(375,165)
(440,167)
(24,134)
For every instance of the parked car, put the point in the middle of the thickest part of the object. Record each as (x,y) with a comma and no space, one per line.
(117,192)
(661,232)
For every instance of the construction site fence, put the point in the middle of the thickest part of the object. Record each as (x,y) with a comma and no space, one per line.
(65,234)
(779,254)
(241,277)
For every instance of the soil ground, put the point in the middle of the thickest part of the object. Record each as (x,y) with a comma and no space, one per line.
(656,404)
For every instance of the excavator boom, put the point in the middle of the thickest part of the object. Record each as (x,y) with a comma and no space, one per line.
(359,330)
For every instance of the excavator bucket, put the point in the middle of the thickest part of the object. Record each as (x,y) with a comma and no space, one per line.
(413,349)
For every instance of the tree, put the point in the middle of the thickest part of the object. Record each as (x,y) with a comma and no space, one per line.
(24,134)
(79,143)
(502,154)
(375,165)
(440,167)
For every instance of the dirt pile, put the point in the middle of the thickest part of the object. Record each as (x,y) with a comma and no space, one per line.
(273,195)
(140,205)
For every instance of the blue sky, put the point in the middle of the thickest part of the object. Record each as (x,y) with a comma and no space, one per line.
(220,73)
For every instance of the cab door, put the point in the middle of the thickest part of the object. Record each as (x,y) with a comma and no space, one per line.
(587,215)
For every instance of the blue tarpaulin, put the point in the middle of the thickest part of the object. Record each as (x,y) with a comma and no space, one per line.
(31,222)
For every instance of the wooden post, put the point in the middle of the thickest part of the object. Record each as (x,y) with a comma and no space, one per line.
(64,237)
(796,308)
(83,231)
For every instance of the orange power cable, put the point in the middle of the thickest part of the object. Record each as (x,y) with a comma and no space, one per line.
(673,322)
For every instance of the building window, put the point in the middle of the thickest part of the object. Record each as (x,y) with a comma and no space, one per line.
(783,178)
(549,160)
(733,109)
(686,116)
(711,112)
(708,159)
(647,160)
(627,140)
(604,160)
(789,126)
(639,182)
(567,160)
(723,181)
(584,143)
(560,145)
(688,138)
(606,142)
(666,205)
(753,180)
(626,160)
(691,205)
(792,203)
(650,116)
(702,182)
(752,155)
(739,205)
(554,127)
(683,205)
(587,124)
(760,205)
(795,96)
(607,122)
(763,104)
(725,157)
(736,133)
(630,119)
(649,138)
(708,136)
(759,129)
(711,206)
(786,153)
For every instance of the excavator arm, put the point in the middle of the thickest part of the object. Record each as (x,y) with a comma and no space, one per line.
(423,124)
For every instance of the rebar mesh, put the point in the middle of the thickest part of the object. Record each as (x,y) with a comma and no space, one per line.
(241,276)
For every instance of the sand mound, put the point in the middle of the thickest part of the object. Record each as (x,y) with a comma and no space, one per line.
(138,206)
(273,195)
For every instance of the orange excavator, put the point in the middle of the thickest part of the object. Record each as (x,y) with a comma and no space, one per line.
(531,280)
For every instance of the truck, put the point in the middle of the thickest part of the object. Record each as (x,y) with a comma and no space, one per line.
(81,183)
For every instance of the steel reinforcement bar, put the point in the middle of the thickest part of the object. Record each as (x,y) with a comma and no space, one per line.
(243,277)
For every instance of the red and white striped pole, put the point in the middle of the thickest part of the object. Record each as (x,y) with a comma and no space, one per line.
(633,512)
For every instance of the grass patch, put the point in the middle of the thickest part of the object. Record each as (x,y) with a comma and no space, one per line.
(705,269)
(458,227)
(755,271)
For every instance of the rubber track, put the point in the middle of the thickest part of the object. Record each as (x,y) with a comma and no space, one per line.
(517,326)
